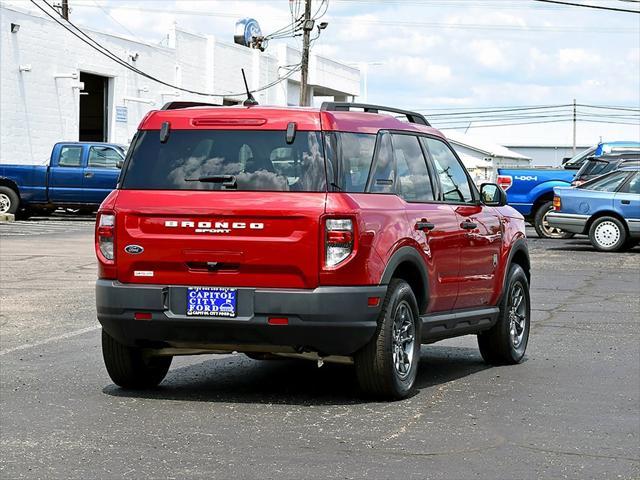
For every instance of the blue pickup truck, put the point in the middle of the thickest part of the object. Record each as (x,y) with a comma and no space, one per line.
(530,190)
(79,175)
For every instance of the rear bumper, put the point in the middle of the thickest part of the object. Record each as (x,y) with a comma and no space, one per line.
(568,222)
(328,320)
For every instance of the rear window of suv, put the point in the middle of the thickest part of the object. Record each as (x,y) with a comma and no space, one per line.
(226,159)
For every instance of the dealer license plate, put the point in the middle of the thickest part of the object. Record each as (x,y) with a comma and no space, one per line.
(211,302)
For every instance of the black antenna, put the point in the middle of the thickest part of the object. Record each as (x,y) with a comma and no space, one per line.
(250,101)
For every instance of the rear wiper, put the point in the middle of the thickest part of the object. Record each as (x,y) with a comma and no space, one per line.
(336,186)
(227,181)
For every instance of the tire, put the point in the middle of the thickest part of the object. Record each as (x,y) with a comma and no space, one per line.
(387,366)
(9,200)
(608,234)
(132,367)
(543,229)
(506,342)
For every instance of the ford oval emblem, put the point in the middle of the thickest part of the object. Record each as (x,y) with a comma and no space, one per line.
(133,249)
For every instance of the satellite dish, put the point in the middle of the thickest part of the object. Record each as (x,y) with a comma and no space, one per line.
(248,33)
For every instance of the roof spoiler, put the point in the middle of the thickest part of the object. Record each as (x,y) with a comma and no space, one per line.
(412,117)
(179,105)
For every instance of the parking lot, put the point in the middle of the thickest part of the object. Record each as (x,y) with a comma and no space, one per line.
(571,410)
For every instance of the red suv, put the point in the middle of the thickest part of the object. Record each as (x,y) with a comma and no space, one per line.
(337,235)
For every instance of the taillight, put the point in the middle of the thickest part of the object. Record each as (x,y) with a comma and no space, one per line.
(504,181)
(338,240)
(557,203)
(105,236)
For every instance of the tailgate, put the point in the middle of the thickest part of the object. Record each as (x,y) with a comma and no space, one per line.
(219,238)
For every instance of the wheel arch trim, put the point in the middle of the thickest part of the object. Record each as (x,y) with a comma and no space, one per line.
(519,248)
(407,255)
(7,182)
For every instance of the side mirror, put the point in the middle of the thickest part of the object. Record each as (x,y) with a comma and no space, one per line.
(119,164)
(492,195)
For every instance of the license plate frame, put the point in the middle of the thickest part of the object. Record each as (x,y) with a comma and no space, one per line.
(208,302)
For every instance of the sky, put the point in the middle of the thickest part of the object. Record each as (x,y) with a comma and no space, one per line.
(443,56)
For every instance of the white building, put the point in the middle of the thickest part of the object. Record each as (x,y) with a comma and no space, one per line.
(54,87)
(546,155)
(481,157)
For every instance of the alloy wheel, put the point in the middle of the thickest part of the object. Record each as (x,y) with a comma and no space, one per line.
(548,230)
(517,314)
(403,342)
(5,203)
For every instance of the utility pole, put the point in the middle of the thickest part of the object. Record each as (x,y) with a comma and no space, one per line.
(575,121)
(307,27)
(65,9)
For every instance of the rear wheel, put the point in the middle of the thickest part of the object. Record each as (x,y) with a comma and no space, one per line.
(608,234)
(387,366)
(506,342)
(9,200)
(132,367)
(542,226)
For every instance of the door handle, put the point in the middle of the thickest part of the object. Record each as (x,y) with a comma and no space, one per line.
(88,174)
(625,202)
(468,225)
(424,225)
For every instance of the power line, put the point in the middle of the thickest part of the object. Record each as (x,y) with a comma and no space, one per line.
(515,109)
(584,5)
(531,123)
(109,54)
(400,23)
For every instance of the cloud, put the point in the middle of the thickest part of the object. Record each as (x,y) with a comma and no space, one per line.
(489,53)
(436,54)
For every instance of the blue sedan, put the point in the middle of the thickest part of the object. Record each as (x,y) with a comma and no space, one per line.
(606,208)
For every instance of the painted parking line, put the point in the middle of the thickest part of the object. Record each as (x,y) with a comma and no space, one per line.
(46,227)
(57,338)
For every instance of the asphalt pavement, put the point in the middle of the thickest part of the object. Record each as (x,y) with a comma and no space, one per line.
(571,410)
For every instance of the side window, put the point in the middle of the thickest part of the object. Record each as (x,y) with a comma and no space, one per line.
(609,183)
(455,184)
(383,177)
(633,186)
(413,181)
(70,156)
(349,158)
(104,157)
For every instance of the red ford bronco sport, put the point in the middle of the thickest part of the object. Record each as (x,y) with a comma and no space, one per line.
(340,234)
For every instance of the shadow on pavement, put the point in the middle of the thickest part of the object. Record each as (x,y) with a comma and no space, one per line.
(585,246)
(238,379)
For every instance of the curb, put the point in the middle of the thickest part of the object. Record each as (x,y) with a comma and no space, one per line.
(7,217)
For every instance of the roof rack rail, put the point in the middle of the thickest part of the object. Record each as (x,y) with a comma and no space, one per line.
(412,117)
(178,105)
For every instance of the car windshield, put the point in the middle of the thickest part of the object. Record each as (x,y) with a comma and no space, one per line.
(226,160)
(606,183)
(595,166)
(577,160)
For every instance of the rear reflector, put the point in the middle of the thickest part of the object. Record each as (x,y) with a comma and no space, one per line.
(373,301)
(278,321)
(142,315)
